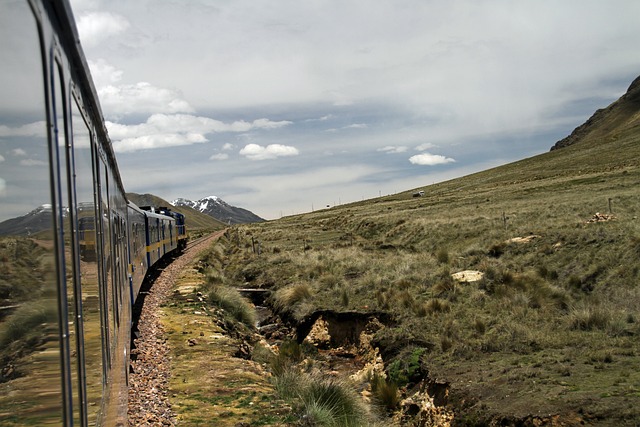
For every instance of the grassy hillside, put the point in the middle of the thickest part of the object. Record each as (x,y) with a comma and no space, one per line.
(550,333)
(196,221)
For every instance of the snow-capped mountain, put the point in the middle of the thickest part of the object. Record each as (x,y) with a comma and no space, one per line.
(39,219)
(219,209)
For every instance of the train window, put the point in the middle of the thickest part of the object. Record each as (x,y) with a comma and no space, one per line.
(30,380)
(107,260)
(86,220)
(63,210)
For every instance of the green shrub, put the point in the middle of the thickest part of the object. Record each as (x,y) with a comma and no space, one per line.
(437,305)
(286,298)
(385,393)
(443,256)
(588,318)
(26,323)
(330,402)
(407,369)
(230,300)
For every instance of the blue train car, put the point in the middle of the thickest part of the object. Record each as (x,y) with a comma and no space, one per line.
(161,236)
(181,226)
(139,262)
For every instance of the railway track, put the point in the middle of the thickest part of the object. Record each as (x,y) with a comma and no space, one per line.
(150,365)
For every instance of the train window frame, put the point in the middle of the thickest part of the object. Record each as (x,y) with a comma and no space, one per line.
(77,110)
(59,137)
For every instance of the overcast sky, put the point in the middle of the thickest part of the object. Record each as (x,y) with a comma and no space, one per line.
(284,106)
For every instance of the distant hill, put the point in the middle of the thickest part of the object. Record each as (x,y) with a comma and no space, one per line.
(195,219)
(37,220)
(621,115)
(219,209)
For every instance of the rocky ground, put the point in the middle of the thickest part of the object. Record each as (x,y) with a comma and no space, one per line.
(148,382)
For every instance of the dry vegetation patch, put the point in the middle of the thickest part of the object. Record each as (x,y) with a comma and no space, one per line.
(552,324)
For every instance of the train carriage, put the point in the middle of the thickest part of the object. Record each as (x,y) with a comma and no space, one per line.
(139,263)
(73,264)
(161,236)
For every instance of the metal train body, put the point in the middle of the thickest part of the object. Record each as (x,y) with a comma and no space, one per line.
(71,269)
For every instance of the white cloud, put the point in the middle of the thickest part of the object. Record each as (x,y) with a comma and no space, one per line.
(3,187)
(150,142)
(171,130)
(271,151)
(427,159)
(425,146)
(220,156)
(18,152)
(103,73)
(228,146)
(356,126)
(393,149)
(320,119)
(94,27)
(268,124)
(1,158)
(32,162)
(141,97)
(38,129)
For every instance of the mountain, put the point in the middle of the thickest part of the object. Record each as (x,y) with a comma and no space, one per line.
(195,220)
(219,209)
(621,115)
(37,220)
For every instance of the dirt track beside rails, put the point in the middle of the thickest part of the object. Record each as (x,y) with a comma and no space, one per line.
(149,381)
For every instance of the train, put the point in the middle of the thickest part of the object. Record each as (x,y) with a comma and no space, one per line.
(71,268)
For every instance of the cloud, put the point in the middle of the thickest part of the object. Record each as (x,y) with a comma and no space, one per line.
(103,73)
(356,126)
(38,129)
(425,146)
(228,146)
(18,152)
(272,151)
(392,149)
(141,97)
(219,156)
(426,159)
(172,130)
(1,158)
(150,142)
(32,162)
(94,27)
(320,119)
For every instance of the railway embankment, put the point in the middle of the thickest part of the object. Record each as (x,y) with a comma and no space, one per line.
(190,364)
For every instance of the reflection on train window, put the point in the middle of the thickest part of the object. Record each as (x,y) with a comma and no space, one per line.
(64,207)
(30,383)
(82,152)
(107,260)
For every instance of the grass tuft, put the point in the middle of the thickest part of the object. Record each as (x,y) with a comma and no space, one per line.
(230,300)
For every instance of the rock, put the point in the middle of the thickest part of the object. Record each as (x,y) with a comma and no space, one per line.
(468,276)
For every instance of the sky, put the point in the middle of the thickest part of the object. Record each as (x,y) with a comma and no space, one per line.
(287,106)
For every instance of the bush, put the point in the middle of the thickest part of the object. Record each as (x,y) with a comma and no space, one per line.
(385,393)
(330,402)
(408,369)
(286,298)
(27,320)
(230,300)
(589,318)
(437,305)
